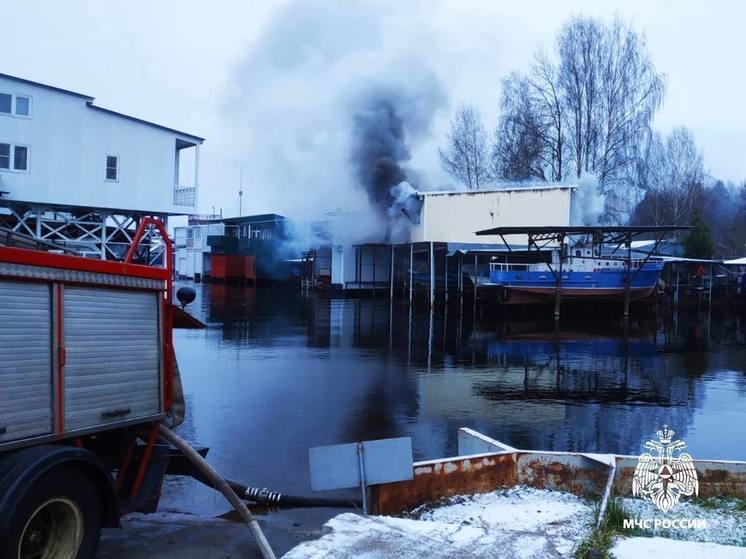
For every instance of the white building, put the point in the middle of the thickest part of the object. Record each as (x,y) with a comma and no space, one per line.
(192,252)
(65,160)
(454,217)
(447,219)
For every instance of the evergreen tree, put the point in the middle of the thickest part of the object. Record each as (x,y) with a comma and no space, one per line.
(698,243)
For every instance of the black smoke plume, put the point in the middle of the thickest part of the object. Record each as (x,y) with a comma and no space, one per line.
(386,120)
(379,150)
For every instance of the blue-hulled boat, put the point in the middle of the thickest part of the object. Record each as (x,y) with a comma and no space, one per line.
(586,274)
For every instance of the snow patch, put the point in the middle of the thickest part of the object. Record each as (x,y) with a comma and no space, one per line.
(514,509)
(659,548)
(725,525)
(516,523)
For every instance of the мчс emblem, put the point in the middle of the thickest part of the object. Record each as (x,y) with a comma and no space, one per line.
(667,475)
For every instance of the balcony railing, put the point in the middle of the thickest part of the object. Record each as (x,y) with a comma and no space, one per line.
(185,196)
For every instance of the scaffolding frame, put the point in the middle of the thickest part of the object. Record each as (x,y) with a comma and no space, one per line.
(99,233)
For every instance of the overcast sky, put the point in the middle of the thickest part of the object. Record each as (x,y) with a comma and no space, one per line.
(230,72)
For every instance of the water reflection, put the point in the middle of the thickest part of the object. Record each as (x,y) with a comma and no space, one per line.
(276,373)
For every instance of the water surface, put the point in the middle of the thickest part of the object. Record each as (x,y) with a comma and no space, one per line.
(276,373)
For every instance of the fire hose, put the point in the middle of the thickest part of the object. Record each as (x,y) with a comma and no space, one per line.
(221,485)
(264,496)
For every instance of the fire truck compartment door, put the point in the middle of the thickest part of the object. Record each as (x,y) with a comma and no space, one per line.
(25,359)
(113,356)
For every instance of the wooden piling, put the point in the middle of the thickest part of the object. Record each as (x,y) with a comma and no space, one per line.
(445,272)
(411,271)
(476,281)
(391,274)
(558,285)
(432,273)
(628,280)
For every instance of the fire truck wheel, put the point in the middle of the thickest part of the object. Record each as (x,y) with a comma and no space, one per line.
(59,517)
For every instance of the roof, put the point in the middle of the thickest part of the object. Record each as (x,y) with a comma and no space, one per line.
(466,248)
(146,122)
(89,103)
(260,218)
(578,230)
(45,86)
(62,207)
(666,258)
(513,188)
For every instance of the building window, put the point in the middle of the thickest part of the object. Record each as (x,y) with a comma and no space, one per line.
(14,157)
(4,156)
(23,105)
(20,158)
(19,105)
(112,168)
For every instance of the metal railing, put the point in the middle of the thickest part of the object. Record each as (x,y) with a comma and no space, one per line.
(508,267)
(185,196)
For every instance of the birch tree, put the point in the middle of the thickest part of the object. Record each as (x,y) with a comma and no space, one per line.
(529,140)
(466,155)
(674,180)
(611,92)
(587,110)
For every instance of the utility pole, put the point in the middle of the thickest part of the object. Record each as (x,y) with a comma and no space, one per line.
(240,193)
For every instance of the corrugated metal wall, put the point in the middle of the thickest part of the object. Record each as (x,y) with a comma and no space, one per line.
(112,370)
(25,360)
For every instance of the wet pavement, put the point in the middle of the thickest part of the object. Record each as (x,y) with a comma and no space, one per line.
(180,536)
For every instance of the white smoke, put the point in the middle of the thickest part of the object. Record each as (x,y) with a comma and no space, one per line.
(291,105)
(404,211)
(337,226)
(587,201)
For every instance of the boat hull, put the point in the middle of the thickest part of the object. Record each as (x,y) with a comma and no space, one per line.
(529,295)
(527,287)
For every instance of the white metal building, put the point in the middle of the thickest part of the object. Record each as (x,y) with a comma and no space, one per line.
(66,161)
(455,216)
(450,217)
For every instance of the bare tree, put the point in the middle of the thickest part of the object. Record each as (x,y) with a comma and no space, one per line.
(466,155)
(674,180)
(590,111)
(518,149)
(611,92)
(722,214)
(529,140)
(737,245)
(683,173)
(549,103)
(580,57)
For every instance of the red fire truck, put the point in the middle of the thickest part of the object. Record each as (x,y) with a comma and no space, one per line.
(86,377)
